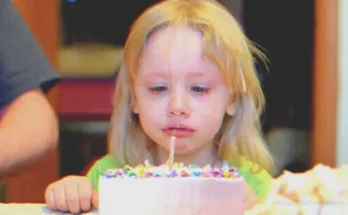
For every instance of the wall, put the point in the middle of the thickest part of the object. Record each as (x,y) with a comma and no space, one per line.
(236,8)
(342,106)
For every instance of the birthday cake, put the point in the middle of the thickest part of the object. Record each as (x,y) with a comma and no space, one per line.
(184,190)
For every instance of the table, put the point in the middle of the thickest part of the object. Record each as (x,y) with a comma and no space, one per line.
(32,209)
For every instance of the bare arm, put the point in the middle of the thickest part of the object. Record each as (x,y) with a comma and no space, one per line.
(28,130)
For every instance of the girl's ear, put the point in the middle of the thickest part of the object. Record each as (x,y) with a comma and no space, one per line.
(231,106)
(231,109)
(135,107)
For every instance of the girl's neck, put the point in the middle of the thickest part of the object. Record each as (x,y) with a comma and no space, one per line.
(206,156)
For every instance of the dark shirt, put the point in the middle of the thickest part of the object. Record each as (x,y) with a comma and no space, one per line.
(23,64)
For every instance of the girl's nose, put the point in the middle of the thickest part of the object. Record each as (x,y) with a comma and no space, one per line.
(178,105)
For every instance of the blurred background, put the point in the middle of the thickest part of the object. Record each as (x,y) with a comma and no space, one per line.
(84,40)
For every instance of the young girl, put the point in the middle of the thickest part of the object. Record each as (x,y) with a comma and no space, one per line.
(187,72)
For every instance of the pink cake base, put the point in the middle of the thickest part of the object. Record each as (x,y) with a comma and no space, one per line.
(171,196)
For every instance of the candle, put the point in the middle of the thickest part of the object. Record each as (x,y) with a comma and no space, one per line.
(170,161)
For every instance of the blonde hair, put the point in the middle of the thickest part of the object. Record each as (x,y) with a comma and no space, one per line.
(225,45)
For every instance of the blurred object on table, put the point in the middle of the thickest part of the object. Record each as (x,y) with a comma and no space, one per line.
(321,190)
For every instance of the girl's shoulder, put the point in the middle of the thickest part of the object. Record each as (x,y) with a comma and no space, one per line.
(109,162)
(100,166)
(259,179)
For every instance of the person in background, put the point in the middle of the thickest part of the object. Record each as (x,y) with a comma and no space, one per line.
(28,124)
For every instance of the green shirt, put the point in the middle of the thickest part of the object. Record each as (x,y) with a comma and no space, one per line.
(260,182)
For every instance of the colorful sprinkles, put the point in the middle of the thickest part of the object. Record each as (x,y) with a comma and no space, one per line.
(179,170)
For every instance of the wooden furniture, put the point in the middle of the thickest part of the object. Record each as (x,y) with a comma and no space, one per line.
(325,82)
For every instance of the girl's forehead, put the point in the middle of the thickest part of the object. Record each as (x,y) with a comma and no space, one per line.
(178,49)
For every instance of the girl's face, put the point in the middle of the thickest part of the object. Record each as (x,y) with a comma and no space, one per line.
(180,93)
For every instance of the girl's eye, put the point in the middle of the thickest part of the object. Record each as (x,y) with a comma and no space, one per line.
(199,89)
(158,89)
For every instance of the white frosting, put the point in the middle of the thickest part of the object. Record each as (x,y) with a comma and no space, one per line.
(171,196)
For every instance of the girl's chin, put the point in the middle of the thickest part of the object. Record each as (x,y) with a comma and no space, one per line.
(183,150)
